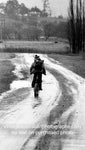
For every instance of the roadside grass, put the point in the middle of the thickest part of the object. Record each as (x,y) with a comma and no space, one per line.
(6,68)
(75,63)
(34,47)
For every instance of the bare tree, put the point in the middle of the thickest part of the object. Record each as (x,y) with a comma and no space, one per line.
(46,8)
(71,26)
(76,24)
(83,28)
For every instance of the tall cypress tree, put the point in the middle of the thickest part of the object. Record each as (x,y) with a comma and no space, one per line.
(83,28)
(76,25)
(71,23)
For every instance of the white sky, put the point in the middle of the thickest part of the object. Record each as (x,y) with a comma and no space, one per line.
(58,7)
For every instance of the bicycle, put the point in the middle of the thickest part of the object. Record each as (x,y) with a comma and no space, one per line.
(36,88)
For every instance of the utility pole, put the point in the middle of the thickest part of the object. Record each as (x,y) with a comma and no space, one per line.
(46,8)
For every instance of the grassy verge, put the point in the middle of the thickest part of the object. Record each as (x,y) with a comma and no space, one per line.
(6,68)
(74,63)
(34,47)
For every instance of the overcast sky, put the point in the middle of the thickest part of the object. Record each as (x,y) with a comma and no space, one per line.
(58,7)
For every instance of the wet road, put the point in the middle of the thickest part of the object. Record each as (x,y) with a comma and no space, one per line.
(27,122)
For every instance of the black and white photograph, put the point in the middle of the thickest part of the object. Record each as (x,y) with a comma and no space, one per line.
(42,74)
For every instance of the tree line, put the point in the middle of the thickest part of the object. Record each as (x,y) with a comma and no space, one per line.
(13,9)
(21,25)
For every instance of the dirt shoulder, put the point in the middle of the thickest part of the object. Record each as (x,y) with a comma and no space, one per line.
(74,63)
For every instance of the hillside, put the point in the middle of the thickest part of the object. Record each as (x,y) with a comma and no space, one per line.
(29,27)
(9,21)
(40,19)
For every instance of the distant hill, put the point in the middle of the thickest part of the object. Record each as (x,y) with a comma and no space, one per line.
(39,19)
(8,20)
(28,27)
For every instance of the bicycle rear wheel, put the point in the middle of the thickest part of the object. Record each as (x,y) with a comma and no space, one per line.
(36,90)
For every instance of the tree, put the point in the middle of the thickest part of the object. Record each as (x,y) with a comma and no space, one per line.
(12,7)
(60,17)
(76,25)
(72,26)
(55,30)
(23,9)
(35,9)
(83,28)
(46,8)
(49,30)
(2,7)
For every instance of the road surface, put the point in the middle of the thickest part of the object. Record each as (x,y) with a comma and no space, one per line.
(54,121)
